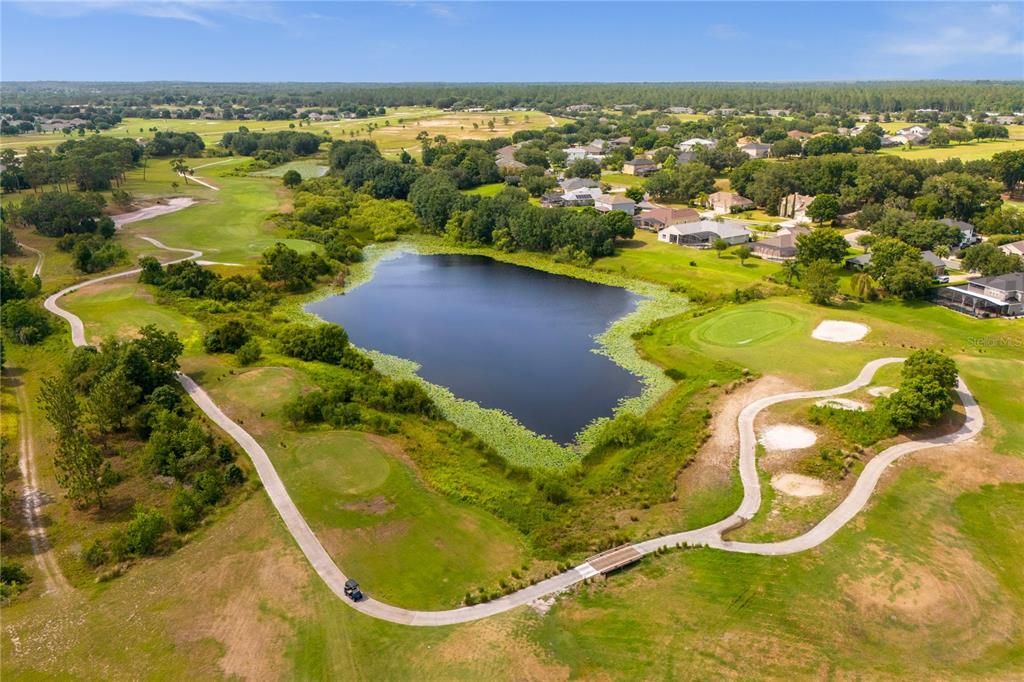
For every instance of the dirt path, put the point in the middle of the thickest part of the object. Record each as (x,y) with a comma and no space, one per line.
(32,500)
(40,257)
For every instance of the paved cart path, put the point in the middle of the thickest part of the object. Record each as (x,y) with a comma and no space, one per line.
(710,536)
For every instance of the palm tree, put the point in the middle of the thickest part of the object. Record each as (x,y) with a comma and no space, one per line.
(790,272)
(181,168)
(864,286)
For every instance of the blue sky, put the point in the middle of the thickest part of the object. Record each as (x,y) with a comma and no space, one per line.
(525,41)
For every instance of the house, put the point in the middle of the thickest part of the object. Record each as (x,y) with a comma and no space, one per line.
(795,206)
(775,113)
(777,249)
(860,262)
(680,110)
(728,202)
(694,142)
(756,150)
(686,157)
(581,196)
(657,218)
(662,128)
(1013,248)
(639,166)
(798,135)
(504,158)
(968,235)
(1001,295)
(704,233)
(1006,120)
(935,262)
(614,202)
(914,130)
(623,141)
(569,184)
(589,151)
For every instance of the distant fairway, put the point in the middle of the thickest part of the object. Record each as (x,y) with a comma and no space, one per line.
(307,168)
(743,327)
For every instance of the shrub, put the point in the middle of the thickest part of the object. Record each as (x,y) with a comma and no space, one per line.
(227,338)
(95,554)
(623,431)
(675,374)
(864,427)
(141,536)
(249,352)
(186,511)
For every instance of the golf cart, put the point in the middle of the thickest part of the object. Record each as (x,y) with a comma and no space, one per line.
(352,590)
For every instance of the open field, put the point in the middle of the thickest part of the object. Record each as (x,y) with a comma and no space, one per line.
(395,131)
(967,152)
(648,259)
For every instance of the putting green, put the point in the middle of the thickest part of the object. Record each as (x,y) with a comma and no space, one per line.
(743,327)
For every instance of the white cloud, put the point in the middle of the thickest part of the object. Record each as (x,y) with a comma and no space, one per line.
(946,35)
(725,32)
(202,12)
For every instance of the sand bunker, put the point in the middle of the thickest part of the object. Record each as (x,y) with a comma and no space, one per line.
(842,404)
(798,485)
(787,437)
(840,332)
(881,390)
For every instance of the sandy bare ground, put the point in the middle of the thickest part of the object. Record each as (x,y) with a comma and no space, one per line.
(787,437)
(172,205)
(32,500)
(714,462)
(838,331)
(842,404)
(798,485)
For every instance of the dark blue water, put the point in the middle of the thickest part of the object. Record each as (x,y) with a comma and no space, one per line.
(505,336)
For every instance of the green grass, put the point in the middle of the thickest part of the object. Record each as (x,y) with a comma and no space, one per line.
(488,190)
(122,307)
(967,152)
(742,327)
(307,168)
(622,179)
(647,259)
(406,544)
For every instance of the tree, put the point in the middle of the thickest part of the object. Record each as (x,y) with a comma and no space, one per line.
(226,338)
(939,137)
(111,399)
(931,364)
(583,168)
(821,244)
(635,193)
(291,178)
(821,282)
(719,245)
(434,198)
(249,352)
(961,195)
(181,168)
(911,277)
(743,253)
(790,272)
(919,400)
(786,147)
(80,468)
(1009,167)
(864,286)
(989,260)
(823,208)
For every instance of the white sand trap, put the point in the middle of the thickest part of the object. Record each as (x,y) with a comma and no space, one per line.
(881,390)
(787,437)
(842,404)
(840,332)
(798,485)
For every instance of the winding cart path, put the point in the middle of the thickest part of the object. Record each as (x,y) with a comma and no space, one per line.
(709,536)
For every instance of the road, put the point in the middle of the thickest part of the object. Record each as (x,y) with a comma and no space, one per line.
(709,536)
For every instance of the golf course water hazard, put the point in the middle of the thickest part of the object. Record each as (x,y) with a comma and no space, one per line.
(504,336)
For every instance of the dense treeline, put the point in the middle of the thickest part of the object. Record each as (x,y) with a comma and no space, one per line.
(93,163)
(285,144)
(811,96)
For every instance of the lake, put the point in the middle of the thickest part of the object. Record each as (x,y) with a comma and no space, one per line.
(504,336)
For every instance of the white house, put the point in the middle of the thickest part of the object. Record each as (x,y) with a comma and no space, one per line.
(914,130)
(614,202)
(756,150)
(693,143)
(705,233)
